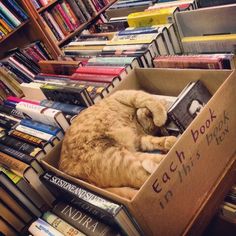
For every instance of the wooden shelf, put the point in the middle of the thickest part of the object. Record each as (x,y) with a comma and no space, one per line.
(84,25)
(45,7)
(11,33)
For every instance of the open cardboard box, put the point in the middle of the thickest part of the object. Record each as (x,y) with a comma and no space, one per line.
(177,192)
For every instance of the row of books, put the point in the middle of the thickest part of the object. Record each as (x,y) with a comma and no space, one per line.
(66,16)
(19,66)
(11,16)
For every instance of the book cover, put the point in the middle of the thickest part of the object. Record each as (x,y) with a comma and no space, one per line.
(103,209)
(76,217)
(37,142)
(53,130)
(61,225)
(67,94)
(64,107)
(20,146)
(188,104)
(42,114)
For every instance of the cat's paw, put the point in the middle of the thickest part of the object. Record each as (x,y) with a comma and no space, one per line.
(169,142)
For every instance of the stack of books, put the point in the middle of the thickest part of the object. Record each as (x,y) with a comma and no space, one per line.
(20,66)
(12,15)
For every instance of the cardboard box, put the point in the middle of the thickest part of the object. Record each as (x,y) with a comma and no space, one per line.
(172,197)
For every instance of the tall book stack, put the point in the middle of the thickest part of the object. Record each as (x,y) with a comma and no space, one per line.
(12,16)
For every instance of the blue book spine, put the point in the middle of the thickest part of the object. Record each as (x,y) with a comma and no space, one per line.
(40,126)
(7,21)
(12,4)
(144,30)
(9,103)
(65,108)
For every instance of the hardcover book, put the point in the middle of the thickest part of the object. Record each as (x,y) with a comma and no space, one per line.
(188,104)
(67,94)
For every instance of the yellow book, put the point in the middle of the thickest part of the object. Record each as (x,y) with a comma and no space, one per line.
(5,25)
(219,37)
(149,18)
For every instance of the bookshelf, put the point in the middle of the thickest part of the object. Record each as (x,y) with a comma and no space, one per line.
(48,36)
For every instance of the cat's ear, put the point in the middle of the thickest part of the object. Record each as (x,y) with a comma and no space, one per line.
(149,166)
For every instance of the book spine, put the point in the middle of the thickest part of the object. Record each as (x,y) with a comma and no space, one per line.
(13,164)
(11,111)
(17,100)
(77,218)
(14,177)
(65,108)
(20,146)
(7,123)
(83,9)
(37,142)
(40,126)
(5,25)
(41,228)
(77,11)
(73,19)
(61,225)
(36,4)
(176,121)
(16,154)
(35,133)
(82,198)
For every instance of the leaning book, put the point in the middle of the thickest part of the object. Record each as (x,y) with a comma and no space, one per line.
(109,212)
(188,104)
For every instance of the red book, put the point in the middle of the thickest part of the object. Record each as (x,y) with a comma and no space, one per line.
(65,17)
(101,70)
(17,100)
(114,80)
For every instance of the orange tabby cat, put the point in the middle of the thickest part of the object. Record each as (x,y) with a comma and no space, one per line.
(105,143)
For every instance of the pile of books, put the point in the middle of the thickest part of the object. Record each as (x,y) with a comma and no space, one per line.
(11,16)
(20,66)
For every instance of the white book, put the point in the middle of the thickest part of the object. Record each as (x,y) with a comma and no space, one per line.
(89,43)
(32,91)
(43,114)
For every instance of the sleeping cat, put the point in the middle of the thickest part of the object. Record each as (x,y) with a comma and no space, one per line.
(106,144)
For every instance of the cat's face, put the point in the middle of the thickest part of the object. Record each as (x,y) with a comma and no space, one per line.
(145,119)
